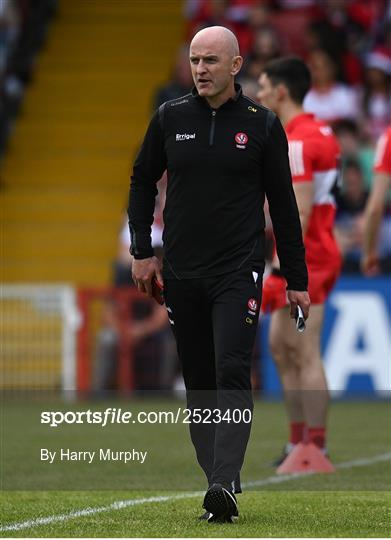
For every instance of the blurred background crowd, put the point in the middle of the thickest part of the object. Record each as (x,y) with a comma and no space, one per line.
(23,31)
(347,45)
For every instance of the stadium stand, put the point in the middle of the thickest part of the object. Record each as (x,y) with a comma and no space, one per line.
(65,176)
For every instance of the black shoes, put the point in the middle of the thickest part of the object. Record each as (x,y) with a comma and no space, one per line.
(210,518)
(220,505)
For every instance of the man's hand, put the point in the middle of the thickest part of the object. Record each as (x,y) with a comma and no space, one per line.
(299,298)
(143,270)
(370,264)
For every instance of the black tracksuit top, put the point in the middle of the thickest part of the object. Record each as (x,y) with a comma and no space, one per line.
(220,164)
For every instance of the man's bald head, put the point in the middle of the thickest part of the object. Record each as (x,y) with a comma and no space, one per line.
(217,36)
(215,60)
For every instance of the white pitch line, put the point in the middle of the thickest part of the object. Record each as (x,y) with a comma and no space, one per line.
(118,505)
(346,465)
(364,461)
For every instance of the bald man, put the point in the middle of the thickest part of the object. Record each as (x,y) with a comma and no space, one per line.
(223,152)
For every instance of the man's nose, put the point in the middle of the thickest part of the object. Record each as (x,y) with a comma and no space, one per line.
(201,68)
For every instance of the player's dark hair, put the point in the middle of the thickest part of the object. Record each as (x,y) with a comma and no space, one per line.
(293,73)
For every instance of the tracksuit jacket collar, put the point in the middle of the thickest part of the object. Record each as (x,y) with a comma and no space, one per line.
(234,99)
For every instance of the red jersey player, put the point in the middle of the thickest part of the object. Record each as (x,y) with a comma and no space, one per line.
(375,204)
(313,156)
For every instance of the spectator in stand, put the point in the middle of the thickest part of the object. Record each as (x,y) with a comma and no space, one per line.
(347,15)
(376,95)
(348,135)
(354,145)
(386,30)
(10,26)
(265,48)
(258,18)
(376,204)
(342,44)
(181,81)
(23,27)
(354,24)
(328,98)
(349,221)
(203,13)
(292,21)
(9,31)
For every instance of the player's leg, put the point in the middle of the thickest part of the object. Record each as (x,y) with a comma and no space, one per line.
(302,374)
(309,362)
(191,323)
(282,343)
(313,384)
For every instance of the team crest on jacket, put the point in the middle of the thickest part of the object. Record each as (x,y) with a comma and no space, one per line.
(241,140)
(252,304)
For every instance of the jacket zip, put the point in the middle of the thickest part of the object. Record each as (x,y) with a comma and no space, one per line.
(212,129)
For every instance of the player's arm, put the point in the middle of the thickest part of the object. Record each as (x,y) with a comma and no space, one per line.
(285,218)
(301,158)
(304,193)
(148,169)
(300,163)
(372,220)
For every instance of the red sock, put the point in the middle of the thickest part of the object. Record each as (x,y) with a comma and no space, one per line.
(317,435)
(297,432)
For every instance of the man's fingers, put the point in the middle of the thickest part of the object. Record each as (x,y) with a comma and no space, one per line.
(140,286)
(293,309)
(306,310)
(159,277)
(148,287)
(144,286)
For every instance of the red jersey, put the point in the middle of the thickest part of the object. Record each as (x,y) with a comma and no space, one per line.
(383,153)
(313,157)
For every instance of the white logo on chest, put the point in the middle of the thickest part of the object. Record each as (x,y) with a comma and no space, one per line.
(185,136)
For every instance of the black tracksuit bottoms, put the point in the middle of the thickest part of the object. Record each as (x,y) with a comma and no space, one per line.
(215,320)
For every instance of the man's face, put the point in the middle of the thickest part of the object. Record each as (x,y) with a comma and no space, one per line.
(267,94)
(212,68)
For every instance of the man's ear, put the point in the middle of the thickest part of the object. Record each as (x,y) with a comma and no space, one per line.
(282,91)
(237,63)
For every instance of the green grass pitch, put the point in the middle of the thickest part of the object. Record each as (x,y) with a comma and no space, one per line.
(353,502)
